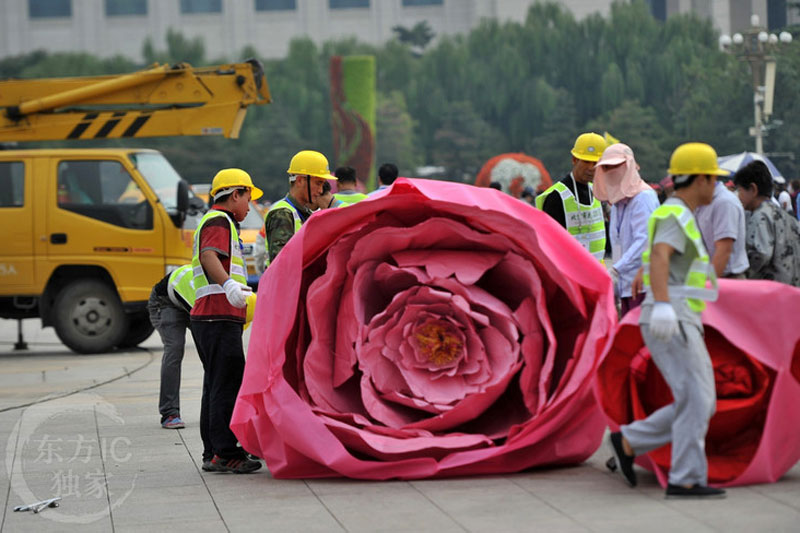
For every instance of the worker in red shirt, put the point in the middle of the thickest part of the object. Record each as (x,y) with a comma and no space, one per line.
(218,316)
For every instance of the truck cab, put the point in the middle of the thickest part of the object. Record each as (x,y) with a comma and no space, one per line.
(88,233)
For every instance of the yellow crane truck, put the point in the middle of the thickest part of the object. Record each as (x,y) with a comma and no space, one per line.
(87,232)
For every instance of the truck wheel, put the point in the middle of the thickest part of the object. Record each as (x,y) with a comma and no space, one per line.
(89,317)
(139,329)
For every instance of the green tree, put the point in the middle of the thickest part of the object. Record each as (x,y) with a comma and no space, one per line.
(464,141)
(639,128)
(612,87)
(395,133)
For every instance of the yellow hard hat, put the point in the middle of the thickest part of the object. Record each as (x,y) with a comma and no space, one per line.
(694,158)
(589,147)
(310,163)
(251,309)
(234,177)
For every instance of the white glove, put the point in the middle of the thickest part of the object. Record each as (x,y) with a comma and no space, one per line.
(663,321)
(236,293)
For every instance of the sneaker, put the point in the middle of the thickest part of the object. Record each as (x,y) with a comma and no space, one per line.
(240,465)
(173,422)
(624,461)
(675,492)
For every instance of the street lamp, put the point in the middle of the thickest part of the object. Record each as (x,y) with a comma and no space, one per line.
(754,46)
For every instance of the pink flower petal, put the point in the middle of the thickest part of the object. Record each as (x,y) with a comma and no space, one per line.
(466,266)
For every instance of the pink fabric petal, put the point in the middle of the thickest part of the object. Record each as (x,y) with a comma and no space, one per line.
(467,267)
(276,414)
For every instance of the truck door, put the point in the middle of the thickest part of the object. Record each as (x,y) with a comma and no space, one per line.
(101,216)
(17,220)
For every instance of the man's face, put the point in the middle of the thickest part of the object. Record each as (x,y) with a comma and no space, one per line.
(240,203)
(316,190)
(583,170)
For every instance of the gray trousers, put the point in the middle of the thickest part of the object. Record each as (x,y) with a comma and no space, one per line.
(686,367)
(171,323)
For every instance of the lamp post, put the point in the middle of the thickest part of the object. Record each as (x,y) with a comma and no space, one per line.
(754,46)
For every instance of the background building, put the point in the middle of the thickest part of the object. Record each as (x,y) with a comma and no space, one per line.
(109,27)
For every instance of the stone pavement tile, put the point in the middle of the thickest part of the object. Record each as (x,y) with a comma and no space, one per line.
(785,491)
(162,478)
(743,510)
(236,488)
(256,502)
(381,506)
(601,501)
(46,522)
(195,526)
(79,507)
(494,504)
(300,513)
(132,513)
(165,504)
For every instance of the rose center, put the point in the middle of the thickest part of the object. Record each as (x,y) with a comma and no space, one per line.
(438,342)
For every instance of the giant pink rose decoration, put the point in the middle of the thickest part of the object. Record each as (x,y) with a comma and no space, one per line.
(438,329)
(754,343)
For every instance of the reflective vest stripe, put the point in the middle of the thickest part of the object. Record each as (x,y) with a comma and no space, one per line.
(350,198)
(284,204)
(700,271)
(237,269)
(182,284)
(585,223)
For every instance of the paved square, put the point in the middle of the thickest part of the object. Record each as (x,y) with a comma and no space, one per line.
(98,442)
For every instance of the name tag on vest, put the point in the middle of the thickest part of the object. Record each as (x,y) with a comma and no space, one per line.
(584,218)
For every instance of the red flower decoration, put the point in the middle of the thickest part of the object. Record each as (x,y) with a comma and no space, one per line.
(437,329)
(755,351)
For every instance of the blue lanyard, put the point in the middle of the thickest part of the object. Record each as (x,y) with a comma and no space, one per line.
(299,213)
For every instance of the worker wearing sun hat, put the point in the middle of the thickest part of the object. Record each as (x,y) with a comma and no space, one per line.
(574,206)
(617,181)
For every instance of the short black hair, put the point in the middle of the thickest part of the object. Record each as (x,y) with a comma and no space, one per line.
(326,187)
(496,185)
(387,173)
(754,172)
(677,185)
(345,174)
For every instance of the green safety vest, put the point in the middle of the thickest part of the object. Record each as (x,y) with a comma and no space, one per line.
(202,287)
(181,285)
(584,223)
(350,198)
(694,288)
(284,204)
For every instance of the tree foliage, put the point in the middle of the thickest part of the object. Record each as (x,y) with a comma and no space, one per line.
(505,86)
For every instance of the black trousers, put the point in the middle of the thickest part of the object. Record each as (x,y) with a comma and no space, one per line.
(219,345)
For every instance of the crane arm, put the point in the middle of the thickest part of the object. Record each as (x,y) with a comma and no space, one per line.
(160,101)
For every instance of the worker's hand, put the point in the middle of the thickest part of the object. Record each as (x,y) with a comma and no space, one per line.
(637,286)
(663,321)
(236,293)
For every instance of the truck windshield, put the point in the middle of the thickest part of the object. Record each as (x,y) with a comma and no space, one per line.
(163,179)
